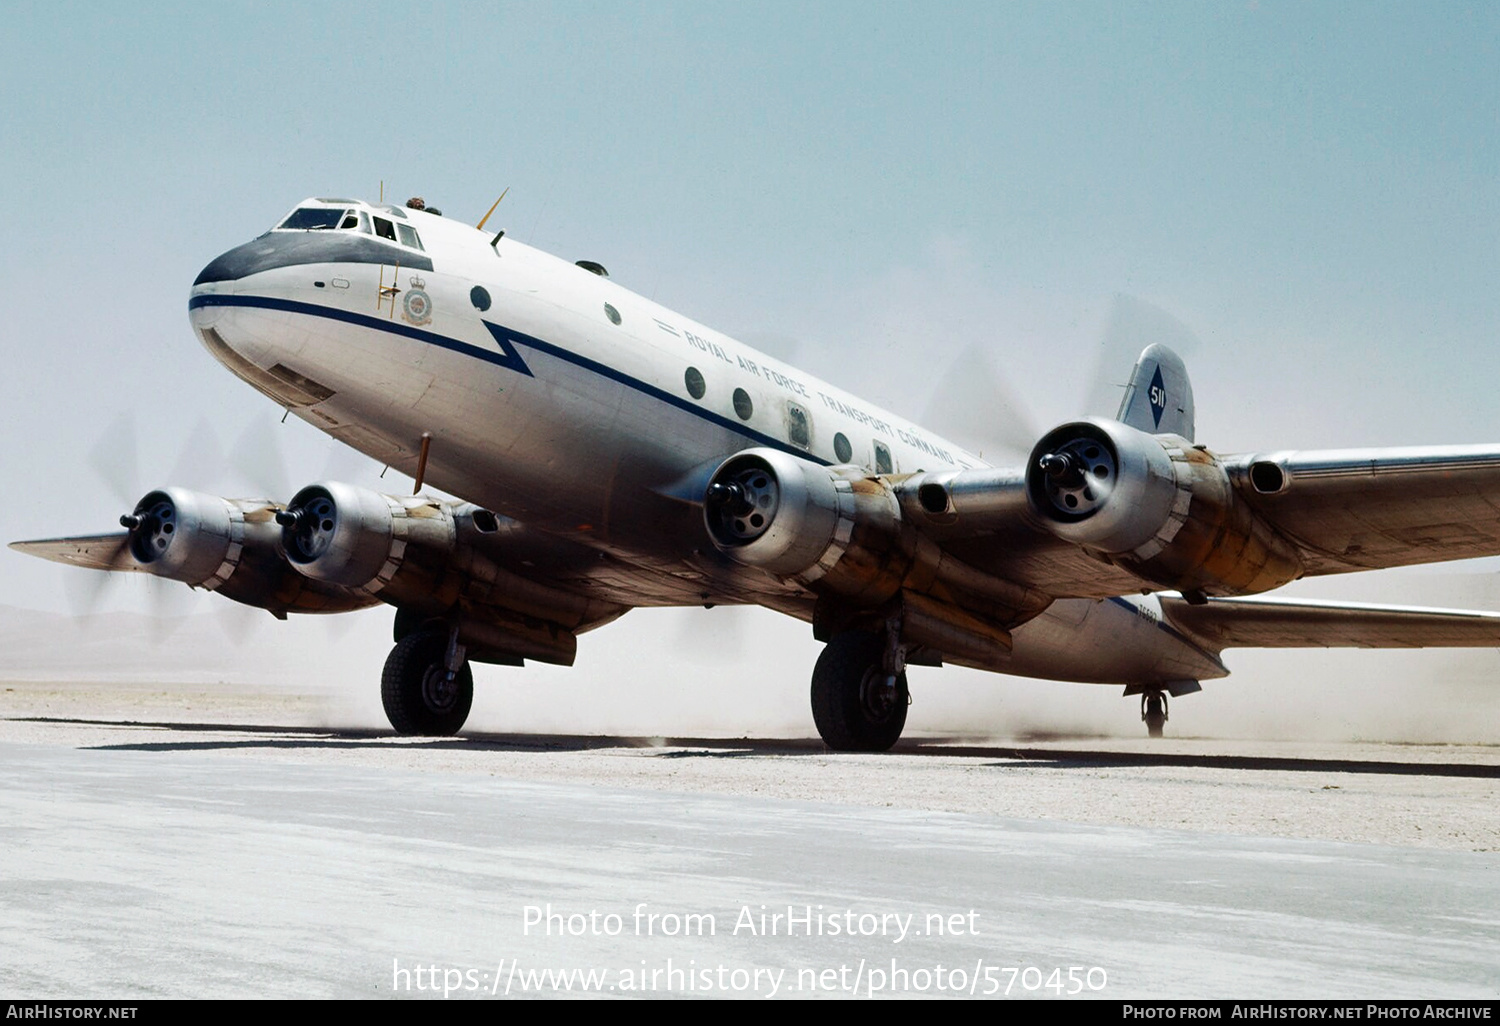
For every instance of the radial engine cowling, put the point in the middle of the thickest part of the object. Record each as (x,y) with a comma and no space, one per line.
(375,543)
(230,546)
(1156,505)
(832,527)
(187,536)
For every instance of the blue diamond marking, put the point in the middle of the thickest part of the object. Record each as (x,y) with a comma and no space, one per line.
(1158,396)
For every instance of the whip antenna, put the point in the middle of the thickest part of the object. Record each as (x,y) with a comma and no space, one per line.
(490,211)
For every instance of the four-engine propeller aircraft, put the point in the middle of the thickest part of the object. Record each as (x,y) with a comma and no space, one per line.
(615,454)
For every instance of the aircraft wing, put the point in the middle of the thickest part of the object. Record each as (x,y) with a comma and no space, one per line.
(1341,510)
(1296,623)
(94,551)
(1363,509)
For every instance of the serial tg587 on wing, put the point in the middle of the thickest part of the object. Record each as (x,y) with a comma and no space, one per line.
(612,453)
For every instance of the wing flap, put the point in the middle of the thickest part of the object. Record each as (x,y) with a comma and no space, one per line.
(94,551)
(1298,623)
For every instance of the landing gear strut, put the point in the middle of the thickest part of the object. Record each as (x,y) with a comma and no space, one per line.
(427,686)
(1154,712)
(859,694)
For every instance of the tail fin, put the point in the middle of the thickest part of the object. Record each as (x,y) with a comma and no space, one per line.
(1159,398)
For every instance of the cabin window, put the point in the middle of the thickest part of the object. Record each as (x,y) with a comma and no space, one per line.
(612,314)
(842,449)
(798,429)
(743,407)
(312,219)
(696,386)
(883,464)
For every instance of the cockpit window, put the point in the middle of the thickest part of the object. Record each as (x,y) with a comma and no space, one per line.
(312,219)
(351,220)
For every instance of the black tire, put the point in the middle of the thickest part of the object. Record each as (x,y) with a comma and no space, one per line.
(853,709)
(415,690)
(1156,716)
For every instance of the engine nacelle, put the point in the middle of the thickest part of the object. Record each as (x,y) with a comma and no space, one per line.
(829,526)
(361,539)
(231,546)
(188,536)
(439,559)
(1156,505)
(842,534)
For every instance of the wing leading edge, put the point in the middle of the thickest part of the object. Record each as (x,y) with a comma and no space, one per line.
(1364,509)
(93,551)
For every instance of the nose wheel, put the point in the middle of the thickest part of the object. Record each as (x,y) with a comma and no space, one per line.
(422,695)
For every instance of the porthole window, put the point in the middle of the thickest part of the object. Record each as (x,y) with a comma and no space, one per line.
(696,386)
(612,314)
(480,297)
(883,463)
(743,407)
(842,449)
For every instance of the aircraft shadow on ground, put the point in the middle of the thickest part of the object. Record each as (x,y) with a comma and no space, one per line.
(334,738)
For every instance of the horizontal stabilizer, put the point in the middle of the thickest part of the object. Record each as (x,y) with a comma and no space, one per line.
(94,551)
(1296,623)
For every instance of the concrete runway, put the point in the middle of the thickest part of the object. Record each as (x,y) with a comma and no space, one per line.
(197,860)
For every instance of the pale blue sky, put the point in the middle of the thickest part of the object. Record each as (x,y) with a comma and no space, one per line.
(1313,189)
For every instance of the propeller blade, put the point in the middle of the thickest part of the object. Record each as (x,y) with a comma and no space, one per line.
(338,626)
(782,347)
(86,592)
(710,635)
(115,458)
(258,458)
(167,604)
(200,463)
(238,622)
(974,405)
(344,463)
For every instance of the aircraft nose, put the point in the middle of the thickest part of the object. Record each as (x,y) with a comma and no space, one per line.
(233,265)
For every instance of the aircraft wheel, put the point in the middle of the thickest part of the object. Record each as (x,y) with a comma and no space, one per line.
(853,703)
(1154,712)
(419,695)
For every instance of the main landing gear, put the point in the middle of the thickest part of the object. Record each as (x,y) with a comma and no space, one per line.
(859,694)
(427,686)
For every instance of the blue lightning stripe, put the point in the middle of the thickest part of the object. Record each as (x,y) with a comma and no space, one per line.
(507,357)
(507,339)
(661,395)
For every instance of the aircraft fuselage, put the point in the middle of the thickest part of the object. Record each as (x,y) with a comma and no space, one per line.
(559,399)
